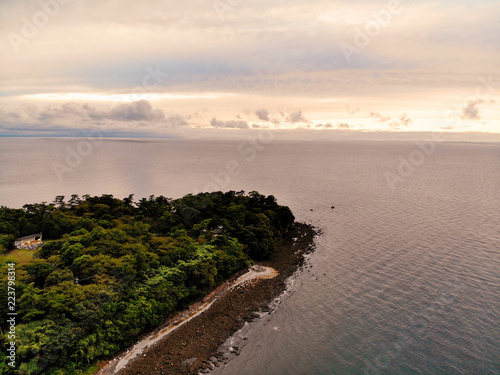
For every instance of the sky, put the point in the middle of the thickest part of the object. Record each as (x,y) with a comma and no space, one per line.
(203,68)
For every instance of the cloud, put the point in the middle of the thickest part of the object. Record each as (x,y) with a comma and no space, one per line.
(175,121)
(328,125)
(296,117)
(403,122)
(262,114)
(233,124)
(141,110)
(470,111)
(299,57)
(74,116)
(378,116)
(343,125)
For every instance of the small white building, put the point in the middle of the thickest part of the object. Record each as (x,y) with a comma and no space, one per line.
(30,242)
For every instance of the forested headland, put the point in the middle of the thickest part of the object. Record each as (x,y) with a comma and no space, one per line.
(113,269)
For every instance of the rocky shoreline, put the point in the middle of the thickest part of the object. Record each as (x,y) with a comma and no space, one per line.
(194,347)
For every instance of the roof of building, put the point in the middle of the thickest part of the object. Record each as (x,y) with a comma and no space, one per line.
(30,236)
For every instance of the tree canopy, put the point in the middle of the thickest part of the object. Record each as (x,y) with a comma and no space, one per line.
(113,269)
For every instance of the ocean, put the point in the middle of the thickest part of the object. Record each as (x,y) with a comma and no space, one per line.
(405,277)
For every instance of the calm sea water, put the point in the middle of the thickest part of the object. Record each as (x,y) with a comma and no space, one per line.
(405,279)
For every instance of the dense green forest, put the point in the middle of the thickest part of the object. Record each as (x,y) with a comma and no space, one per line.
(136,263)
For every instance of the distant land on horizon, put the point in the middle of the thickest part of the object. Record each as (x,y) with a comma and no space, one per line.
(294,135)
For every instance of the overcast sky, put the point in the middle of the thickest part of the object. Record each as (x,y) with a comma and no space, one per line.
(202,67)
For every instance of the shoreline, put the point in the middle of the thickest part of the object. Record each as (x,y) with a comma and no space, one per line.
(193,346)
(142,346)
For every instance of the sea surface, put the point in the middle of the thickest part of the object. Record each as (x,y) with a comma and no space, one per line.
(405,278)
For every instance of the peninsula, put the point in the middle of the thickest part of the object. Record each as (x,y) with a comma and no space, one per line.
(111,271)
